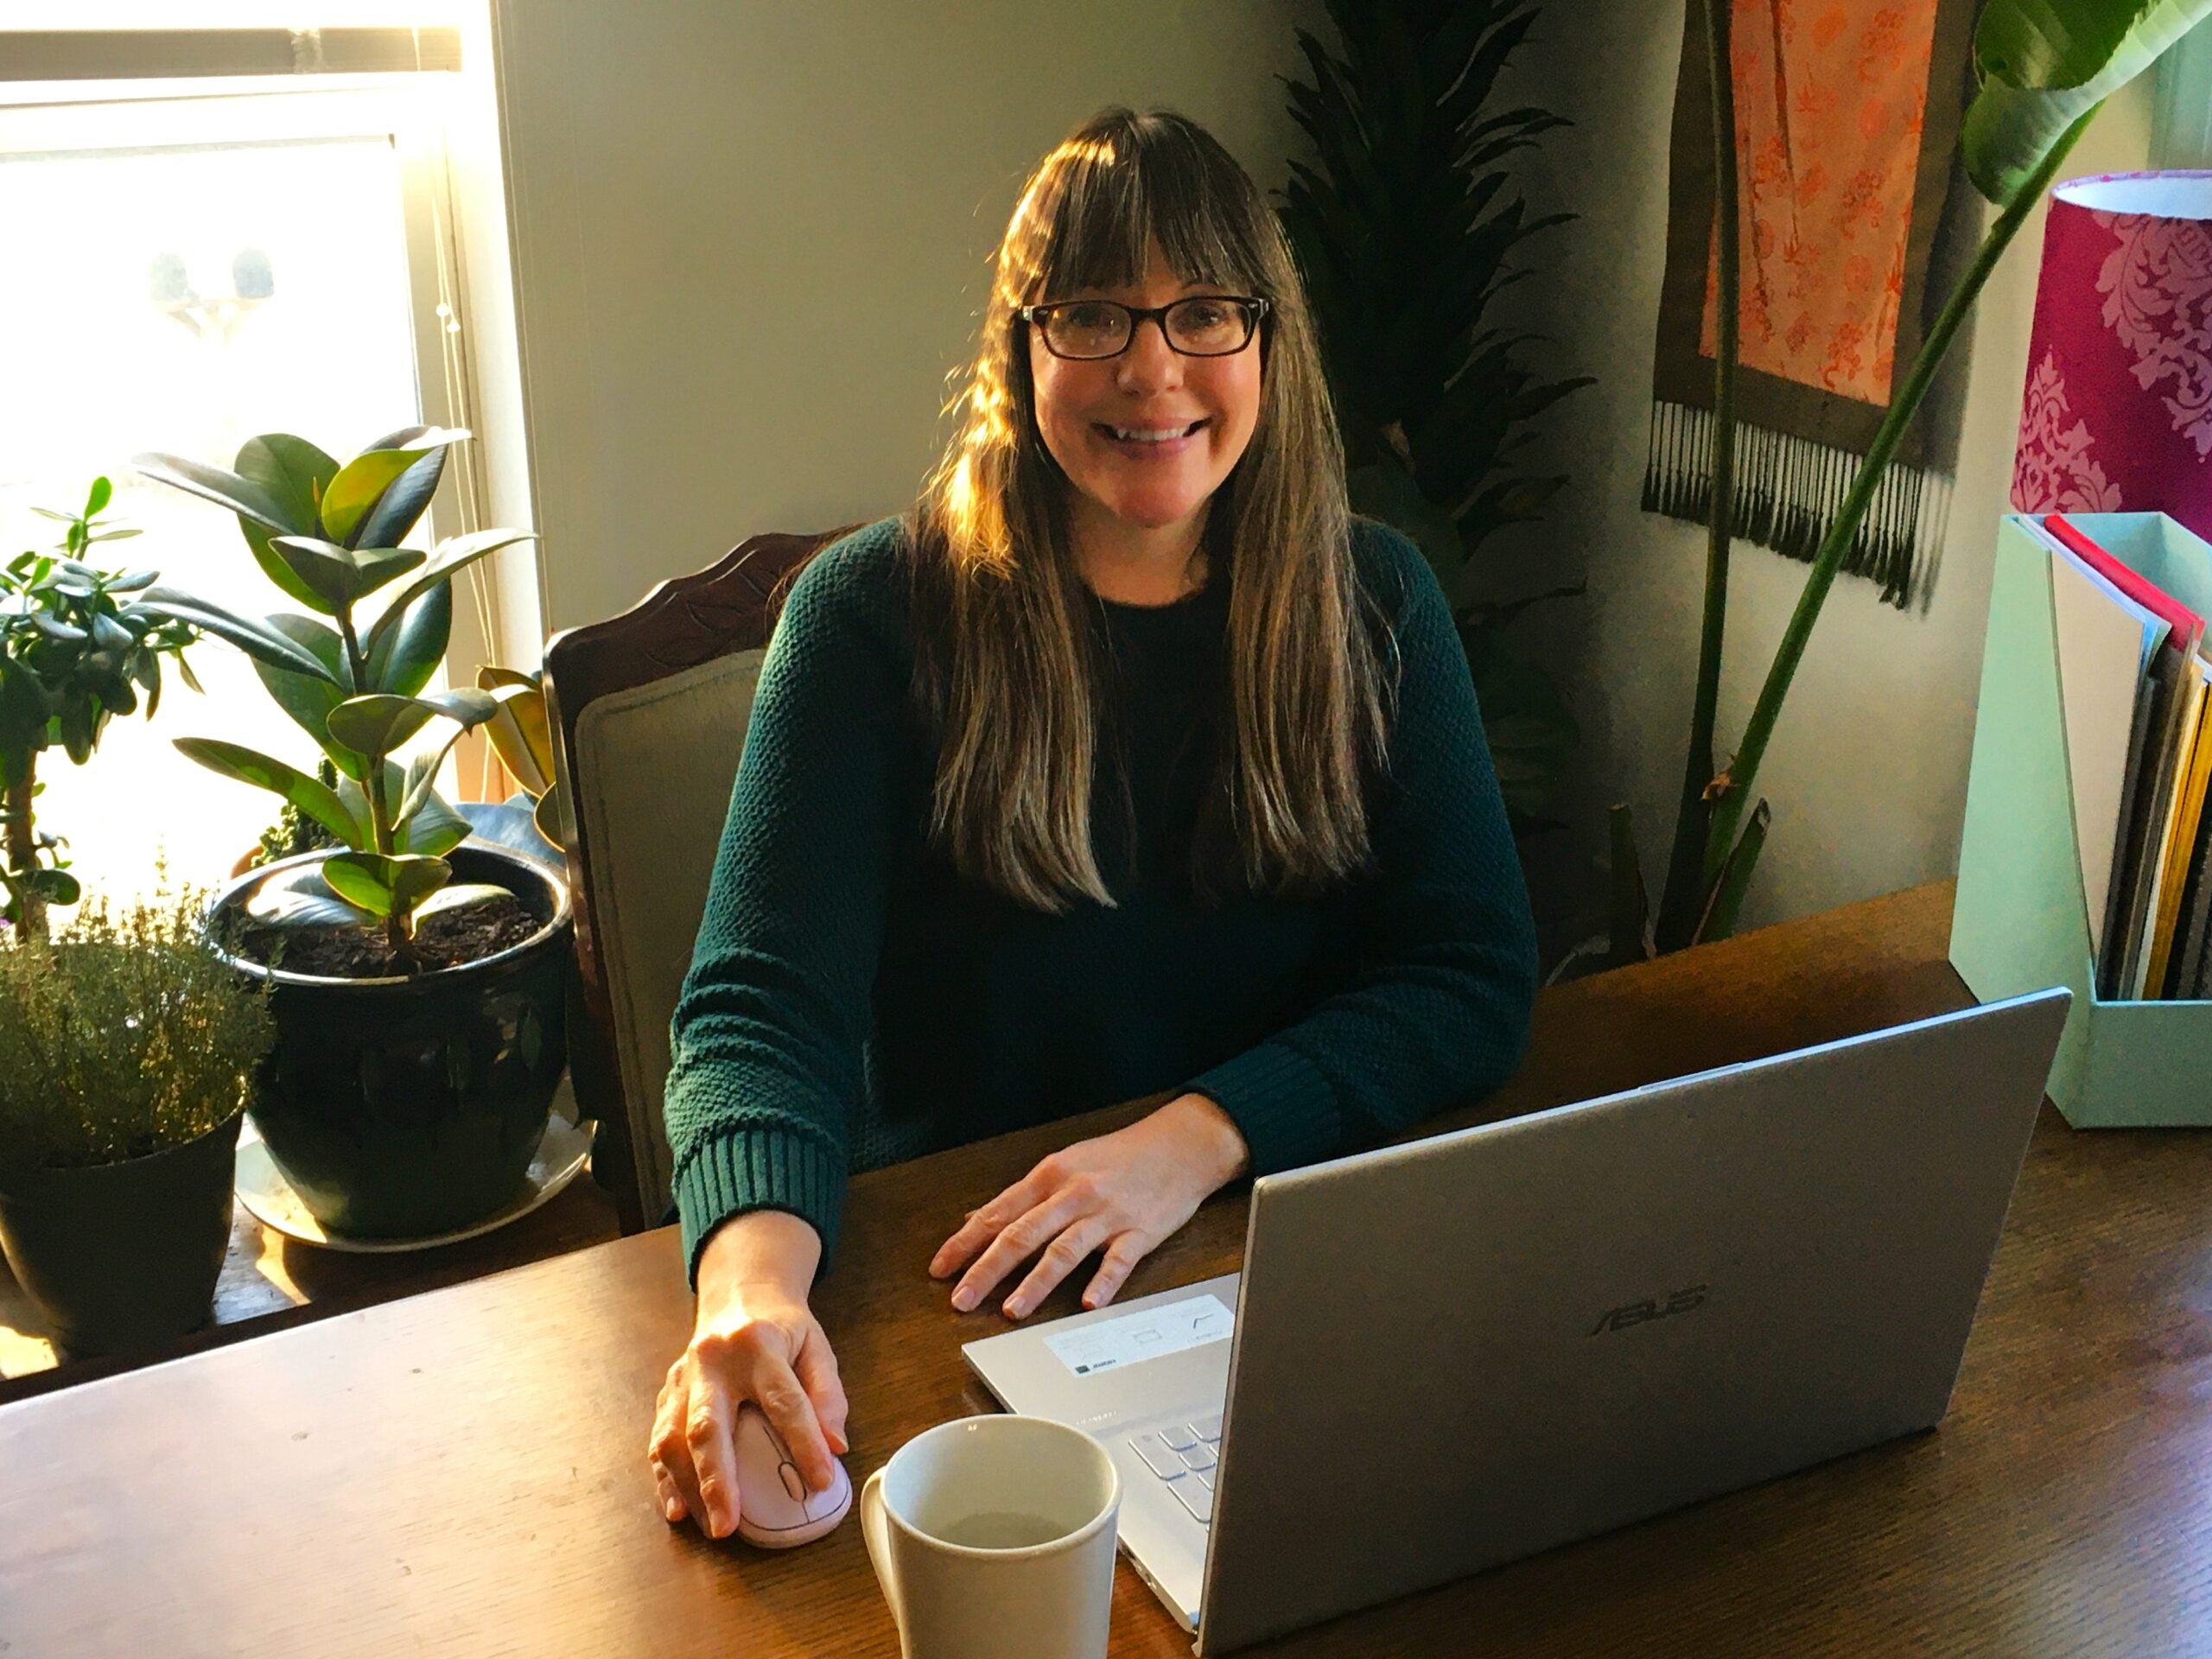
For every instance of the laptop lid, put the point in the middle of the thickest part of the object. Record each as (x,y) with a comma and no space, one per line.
(1463,1349)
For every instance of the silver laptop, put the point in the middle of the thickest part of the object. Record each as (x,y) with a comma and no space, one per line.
(1446,1355)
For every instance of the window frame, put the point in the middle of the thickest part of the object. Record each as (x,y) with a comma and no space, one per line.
(416,115)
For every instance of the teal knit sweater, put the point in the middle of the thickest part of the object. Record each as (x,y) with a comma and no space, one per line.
(853,1001)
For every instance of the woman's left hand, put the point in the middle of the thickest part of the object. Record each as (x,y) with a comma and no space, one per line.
(1127,1192)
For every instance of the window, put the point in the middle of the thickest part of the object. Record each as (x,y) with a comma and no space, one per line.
(191,265)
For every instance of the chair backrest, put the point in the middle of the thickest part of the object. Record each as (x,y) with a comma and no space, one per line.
(649,712)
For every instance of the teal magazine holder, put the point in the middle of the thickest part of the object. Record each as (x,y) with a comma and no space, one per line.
(2021,920)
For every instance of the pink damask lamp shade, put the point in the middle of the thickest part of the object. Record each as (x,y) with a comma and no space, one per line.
(2117,416)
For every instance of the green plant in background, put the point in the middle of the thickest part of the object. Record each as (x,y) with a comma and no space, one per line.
(121,1037)
(77,647)
(522,735)
(1404,234)
(2045,68)
(328,536)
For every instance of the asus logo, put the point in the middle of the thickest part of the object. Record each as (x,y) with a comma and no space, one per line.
(1650,1308)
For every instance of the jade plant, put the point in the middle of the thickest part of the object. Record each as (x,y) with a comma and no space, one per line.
(77,645)
(328,536)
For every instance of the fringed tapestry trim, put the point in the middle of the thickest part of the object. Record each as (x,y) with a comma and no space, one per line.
(1787,493)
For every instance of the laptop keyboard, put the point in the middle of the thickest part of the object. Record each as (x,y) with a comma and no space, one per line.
(1185,1455)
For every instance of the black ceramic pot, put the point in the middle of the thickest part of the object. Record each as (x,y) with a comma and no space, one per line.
(413,1105)
(123,1257)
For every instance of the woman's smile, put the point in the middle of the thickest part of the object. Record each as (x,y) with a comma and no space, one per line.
(1151,441)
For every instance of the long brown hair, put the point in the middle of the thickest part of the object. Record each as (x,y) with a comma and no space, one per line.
(1008,671)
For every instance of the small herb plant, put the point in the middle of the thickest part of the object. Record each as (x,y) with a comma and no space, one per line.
(328,536)
(123,1035)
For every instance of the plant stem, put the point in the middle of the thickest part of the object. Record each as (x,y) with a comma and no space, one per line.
(357,665)
(1729,810)
(1681,902)
(22,840)
(357,674)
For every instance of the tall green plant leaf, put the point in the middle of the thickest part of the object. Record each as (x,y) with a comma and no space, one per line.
(2044,64)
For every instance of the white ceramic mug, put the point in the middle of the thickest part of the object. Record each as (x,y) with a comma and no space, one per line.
(993,1539)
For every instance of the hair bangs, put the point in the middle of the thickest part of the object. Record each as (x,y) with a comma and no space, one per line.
(1138,181)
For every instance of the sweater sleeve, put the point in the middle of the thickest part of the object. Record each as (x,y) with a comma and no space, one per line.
(765,1043)
(1438,1014)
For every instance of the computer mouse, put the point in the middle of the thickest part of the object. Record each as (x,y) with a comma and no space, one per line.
(774,1509)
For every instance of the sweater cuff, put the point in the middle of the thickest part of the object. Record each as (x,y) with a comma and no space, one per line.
(1280,1103)
(759,1168)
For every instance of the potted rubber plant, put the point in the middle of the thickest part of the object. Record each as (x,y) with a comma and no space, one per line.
(126,1054)
(417,983)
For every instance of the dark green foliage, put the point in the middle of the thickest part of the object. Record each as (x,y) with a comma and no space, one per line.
(1405,228)
(78,646)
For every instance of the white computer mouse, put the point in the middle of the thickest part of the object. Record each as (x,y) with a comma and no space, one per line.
(774,1509)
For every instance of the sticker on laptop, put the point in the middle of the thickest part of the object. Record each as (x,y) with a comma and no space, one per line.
(1154,1333)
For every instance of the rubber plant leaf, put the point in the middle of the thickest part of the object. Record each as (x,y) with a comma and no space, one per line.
(226,489)
(309,700)
(386,884)
(310,795)
(518,731)
(407,656)
(360,485)
(377,724)
(452,556)
(250,634)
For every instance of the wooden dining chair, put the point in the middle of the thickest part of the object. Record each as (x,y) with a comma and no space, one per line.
(648,711)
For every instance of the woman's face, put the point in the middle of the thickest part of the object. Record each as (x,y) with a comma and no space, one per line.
(1209,405)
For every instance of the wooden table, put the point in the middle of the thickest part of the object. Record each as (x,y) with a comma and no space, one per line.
(461,1473)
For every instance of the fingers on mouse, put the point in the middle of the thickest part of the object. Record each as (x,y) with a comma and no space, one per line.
(775,1510)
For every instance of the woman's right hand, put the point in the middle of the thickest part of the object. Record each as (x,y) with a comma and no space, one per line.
(754,1338)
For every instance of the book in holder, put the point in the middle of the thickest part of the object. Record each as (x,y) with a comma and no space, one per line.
(2021,918)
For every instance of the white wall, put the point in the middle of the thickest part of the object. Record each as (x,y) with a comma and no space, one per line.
(750,242)
(750,239)
(1867,769)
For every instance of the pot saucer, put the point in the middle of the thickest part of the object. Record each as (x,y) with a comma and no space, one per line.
(263,1189)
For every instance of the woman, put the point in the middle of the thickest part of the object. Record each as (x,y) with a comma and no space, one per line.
(1126,762)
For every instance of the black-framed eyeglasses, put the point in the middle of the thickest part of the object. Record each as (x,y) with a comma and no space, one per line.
(1205,324)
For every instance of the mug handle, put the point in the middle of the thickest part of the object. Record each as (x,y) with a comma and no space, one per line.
(876,1529)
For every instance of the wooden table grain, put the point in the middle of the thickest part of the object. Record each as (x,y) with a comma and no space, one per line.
(462,1472)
